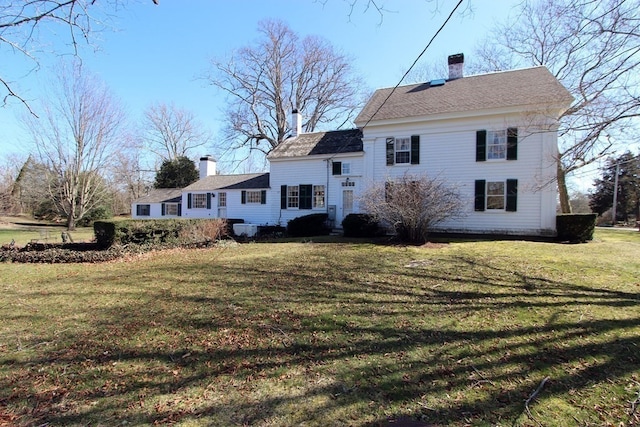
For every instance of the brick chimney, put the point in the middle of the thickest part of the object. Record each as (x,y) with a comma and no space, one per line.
(456,66)
(207,166)
(296,123)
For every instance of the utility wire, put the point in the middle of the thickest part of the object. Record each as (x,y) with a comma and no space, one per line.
(410,68)
(414,63)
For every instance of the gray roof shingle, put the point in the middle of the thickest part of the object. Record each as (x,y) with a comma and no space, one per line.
(515,88)
(161,195)
(247,181)
(307,144)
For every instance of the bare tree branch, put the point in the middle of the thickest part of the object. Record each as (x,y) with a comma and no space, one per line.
(77,139)
(172,132)
(593,48)
(281,72)
(21,22)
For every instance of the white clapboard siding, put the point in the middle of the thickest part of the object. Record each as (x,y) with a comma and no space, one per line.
(448,151)
(314,170)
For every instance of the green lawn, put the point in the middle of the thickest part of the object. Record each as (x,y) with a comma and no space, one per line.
(25,230)
(323,334)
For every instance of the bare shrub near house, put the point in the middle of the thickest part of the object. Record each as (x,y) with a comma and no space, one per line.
(205,231)
(412,205)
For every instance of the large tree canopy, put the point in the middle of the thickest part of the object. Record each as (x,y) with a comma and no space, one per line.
(176,173)
(627,168)
(593,48)
(281,72)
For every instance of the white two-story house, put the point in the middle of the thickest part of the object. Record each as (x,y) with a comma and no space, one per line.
(492,136)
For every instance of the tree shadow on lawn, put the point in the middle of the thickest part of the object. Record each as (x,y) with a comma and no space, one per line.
(238,345)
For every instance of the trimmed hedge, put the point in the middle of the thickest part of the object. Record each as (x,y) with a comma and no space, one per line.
(308,225)
(575,228)
(164,231)
(360,225)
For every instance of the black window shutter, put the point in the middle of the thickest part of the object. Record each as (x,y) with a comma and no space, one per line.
(481,146)
(337,168)
(138,209)
(512,195)
(243,197)
(479,194)
(263,197)
(188,200)
(415,149)
(163,210)
(391,143)
(306,196)
(512,144)
(283,197)
(179,209)
(208,200)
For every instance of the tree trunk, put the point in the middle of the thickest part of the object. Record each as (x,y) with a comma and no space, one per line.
(71,219)
(565,205)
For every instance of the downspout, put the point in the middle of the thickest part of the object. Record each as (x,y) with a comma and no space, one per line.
(326,191)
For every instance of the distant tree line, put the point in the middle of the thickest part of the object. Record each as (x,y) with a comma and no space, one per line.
(627,188)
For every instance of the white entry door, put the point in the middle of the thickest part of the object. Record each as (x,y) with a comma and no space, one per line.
(347,203)
(222,205)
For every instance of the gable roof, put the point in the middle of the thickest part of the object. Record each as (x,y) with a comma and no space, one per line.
(248,181)
(161,195)
(515,88)
(308,144)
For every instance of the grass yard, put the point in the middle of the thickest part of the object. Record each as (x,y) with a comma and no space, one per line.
(328,334)
(25,230)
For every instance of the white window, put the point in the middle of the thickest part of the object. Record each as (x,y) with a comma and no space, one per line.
(199,201)
(346,168)
(318,195)
(254,196)
(292,196)
(143,210)
(496,144)
(495,195)
(222,200)
(403,150)
(171,209)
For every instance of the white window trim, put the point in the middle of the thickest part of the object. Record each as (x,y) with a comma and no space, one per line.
(496,196)
(402,140)
(171,205)
(195,197)
(139,209)
(293,197)
(501,146)
(253,197)
(317,198)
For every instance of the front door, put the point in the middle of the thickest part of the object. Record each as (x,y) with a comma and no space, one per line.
(222,205)
(347,203)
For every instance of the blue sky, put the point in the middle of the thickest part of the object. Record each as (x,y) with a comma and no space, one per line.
(155,54)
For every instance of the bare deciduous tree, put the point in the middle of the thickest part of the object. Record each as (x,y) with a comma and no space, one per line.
(21,23)
(129,180)
(593,48)
(76,139)
(171,132)
(412,205)
(266,81)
